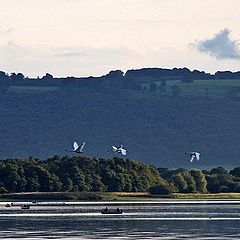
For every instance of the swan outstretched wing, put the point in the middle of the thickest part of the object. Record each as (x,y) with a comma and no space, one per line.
(82,146)
(197,156)
(75,146)
(192,157)
(114,148)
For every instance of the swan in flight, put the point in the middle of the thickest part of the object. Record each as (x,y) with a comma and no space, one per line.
(193,155)
(77,148)
(119,149)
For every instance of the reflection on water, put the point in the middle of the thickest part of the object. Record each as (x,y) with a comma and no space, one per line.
(174,221)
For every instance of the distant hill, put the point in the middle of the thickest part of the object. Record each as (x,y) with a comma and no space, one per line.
(131,79)
(157,121)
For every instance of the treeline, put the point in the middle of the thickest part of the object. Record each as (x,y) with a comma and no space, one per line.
(76,174)
(83,174)
(217,180)
(131,79)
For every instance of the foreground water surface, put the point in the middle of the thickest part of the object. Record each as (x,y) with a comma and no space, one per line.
(155,220)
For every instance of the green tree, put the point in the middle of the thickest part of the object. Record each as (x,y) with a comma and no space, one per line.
(201,182)
(179,182)
(163,189)
(4,82)
(235,172)
(218,171)
(48,76)
(213,184)
(32,184)
(67,184)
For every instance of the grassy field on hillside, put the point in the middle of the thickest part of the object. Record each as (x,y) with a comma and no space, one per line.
(37,89)
(214,88)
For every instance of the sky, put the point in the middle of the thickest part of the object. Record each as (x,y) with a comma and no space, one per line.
(93,37)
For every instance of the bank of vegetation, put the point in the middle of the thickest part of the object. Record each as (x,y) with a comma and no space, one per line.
(71,176)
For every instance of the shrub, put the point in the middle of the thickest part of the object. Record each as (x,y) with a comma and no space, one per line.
(163,189)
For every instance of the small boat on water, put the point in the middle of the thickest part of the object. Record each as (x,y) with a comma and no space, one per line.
(111,211)
(25,206)
(8,205)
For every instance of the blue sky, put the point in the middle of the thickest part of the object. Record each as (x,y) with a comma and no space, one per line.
(92,37)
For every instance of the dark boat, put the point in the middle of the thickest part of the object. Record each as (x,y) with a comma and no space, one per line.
(25,206)
(112,211)
(7,205)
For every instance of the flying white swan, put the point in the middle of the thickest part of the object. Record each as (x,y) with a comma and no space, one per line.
(193,155)
(77,148)
(119,149)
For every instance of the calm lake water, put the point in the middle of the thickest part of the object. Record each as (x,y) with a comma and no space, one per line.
(158,220)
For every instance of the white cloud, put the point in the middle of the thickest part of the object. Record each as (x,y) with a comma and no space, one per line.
(84,61)
(6,31)
(220,46)
(88,52)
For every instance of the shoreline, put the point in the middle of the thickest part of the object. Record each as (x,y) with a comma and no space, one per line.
(113,196)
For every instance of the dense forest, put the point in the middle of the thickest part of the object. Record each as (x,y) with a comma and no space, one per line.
(78,174)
